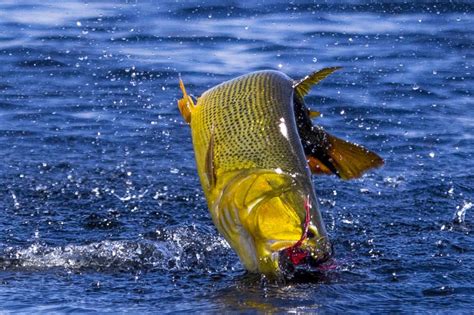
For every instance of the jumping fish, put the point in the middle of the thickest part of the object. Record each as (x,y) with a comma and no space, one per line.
(255,148)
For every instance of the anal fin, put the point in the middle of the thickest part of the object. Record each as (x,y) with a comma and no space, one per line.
(317,167)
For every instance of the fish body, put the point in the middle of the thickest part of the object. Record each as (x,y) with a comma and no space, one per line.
(253,167)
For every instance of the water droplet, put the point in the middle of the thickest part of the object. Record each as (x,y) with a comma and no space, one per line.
(460,213)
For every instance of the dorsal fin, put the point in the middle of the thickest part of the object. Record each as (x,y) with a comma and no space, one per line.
(303,86)
(185,104)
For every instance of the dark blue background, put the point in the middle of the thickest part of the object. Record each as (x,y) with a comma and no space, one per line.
(101,205)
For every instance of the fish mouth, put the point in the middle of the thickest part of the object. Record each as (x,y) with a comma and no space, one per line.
(311,250)
(304,258)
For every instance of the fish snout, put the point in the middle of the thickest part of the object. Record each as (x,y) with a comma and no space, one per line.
(309,255)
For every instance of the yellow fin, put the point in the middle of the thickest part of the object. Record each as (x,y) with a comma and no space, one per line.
(303,86)
(349,159)
(185,104)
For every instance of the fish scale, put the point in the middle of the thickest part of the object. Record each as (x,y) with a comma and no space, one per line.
(246,114)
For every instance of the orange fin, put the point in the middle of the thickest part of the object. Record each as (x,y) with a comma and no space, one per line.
(346,160)
(209,169)
(185,104)
(352,160)
(317,167)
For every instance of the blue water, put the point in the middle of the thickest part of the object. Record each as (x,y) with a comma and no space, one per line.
(101,205)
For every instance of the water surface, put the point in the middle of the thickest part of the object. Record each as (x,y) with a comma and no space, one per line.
(101,205)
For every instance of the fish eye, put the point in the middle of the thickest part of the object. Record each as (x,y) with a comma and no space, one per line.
(310,234)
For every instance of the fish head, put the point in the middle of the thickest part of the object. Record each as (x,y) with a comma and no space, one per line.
(273,223)
(289,235)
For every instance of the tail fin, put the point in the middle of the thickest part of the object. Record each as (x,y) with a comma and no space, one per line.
(185,104)
(336,156)
(326,153)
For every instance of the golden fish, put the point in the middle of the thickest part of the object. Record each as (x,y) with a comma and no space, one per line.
(255,146)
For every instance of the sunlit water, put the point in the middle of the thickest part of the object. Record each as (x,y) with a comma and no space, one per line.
(101,205)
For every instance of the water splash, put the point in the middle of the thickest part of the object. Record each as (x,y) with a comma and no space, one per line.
(460,214)
(181,249)
(97,256)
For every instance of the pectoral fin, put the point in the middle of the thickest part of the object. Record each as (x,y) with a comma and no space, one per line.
(185,104)
(209,169)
